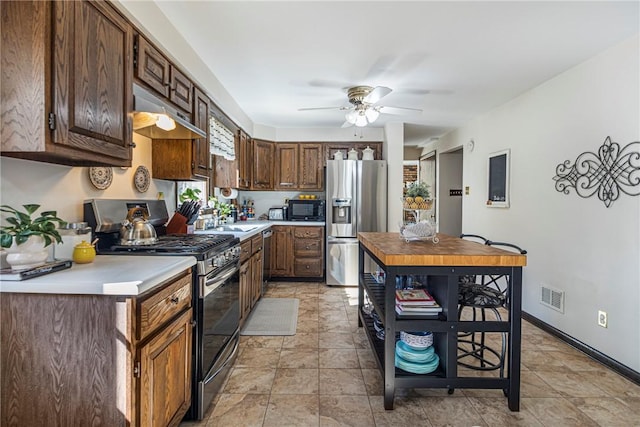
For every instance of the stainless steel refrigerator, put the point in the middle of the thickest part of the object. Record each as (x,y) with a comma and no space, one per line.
(356,201)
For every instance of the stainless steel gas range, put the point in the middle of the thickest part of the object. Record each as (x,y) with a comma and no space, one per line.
(216,300)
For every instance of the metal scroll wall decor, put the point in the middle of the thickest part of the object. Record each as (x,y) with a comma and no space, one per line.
(608,173)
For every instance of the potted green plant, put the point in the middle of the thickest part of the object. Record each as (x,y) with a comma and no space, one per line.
(224,209)
(190,194)
(25,238)
(418,196)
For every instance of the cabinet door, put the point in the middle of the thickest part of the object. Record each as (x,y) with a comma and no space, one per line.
(226,171)
(244,160)
(151,66)
(92,79)
(245,290)
(256,282)
(201,150)
(165,381)
(181,90)
(310,167)
(281,251)
(262,165)
(285,167)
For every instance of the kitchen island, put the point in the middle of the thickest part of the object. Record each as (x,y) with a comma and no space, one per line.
(103,344)
(440,266)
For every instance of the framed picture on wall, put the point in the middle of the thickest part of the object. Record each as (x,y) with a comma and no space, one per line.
(498,170)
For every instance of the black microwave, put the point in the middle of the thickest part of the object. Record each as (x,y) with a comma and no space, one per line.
(306,210)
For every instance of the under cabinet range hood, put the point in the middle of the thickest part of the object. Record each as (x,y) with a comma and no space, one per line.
(157,119)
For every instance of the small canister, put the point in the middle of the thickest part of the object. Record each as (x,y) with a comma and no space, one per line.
(72,234)
(84,253)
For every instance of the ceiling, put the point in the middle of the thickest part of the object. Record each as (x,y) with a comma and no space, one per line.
(453,60)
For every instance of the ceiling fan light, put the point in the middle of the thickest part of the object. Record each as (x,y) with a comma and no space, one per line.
(351,116)
(361,120)
(371,114)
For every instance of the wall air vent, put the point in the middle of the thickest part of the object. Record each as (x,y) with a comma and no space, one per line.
(552,298)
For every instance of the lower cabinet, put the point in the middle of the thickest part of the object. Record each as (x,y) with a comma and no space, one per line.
(165,382)
(251,274)
(245,280)
(97,360)
(257,268)
(297,251)
(281,251)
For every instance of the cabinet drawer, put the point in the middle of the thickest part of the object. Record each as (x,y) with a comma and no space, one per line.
(256,243)
(307,267)
(162,306)
(245,247)
(307,248)
(308,232)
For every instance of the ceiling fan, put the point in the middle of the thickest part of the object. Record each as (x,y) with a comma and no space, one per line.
(364,108)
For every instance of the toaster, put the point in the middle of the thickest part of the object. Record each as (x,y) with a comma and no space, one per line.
(276,214)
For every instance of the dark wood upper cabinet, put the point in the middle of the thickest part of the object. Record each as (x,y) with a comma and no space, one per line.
(155,70)
(244,156)
(310,168)
(66,83)
(226,171)
(151,66)
(181,90)
(262,172)
(285,166)
(298,166)
(185,159)
(201,149)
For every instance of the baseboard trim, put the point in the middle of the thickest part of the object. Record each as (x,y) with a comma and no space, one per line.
(614,365)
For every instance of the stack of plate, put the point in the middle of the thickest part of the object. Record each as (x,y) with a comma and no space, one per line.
(418,359)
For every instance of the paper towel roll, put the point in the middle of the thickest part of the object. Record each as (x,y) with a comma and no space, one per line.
(229,193)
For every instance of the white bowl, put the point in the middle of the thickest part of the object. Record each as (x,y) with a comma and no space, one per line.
(417,340)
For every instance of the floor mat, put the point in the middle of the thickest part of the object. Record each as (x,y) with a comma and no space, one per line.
(273,316)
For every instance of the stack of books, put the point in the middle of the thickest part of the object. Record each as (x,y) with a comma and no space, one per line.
(416,302)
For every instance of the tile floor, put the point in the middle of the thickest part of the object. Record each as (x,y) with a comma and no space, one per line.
(326,375)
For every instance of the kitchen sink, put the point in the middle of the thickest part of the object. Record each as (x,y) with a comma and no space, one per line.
(236,228)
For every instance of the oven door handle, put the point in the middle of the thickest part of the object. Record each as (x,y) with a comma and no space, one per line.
(206,288)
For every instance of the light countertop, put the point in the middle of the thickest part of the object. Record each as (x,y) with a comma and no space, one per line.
(108,275)
(254,227)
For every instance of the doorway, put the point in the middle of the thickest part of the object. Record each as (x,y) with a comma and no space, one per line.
(449,194)
(427,173)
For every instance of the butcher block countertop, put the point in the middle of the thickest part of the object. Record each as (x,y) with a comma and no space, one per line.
(449,251)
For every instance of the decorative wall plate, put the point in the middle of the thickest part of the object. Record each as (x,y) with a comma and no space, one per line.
(142,179)
(101,177)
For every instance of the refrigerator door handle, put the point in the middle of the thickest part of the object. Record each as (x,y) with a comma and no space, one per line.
(332,239)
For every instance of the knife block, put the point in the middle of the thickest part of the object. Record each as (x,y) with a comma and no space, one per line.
(177,224)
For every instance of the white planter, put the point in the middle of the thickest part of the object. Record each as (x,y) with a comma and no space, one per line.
(31,253)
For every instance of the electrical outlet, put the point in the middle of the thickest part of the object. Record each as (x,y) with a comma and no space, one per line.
(602,318)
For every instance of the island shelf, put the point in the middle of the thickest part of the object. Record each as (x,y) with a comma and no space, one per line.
(440,267)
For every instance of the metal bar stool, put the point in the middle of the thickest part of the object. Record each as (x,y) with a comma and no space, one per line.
(486,292)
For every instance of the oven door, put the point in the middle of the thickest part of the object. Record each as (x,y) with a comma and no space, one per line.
(218,332)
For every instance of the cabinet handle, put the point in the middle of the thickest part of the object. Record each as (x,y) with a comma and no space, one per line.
(175,299)
(307,247)
(307,267)
(132,145)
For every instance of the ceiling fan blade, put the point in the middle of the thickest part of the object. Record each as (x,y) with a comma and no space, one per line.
(399,110)
(377,94)
(323,108)
(346,125)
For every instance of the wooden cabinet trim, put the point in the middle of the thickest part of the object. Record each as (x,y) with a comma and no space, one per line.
(163,305)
